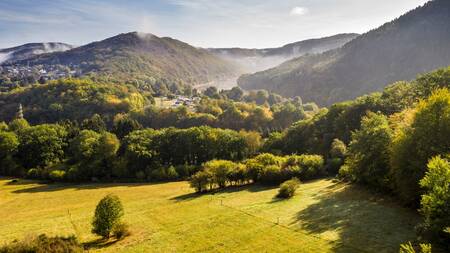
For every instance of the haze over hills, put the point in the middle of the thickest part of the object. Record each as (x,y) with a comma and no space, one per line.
(253,60)
(31,49)
(139,56)
(417,42)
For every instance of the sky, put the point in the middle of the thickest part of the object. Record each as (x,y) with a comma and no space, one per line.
(202,23)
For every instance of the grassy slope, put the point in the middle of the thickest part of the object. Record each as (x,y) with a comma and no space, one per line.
(322,217)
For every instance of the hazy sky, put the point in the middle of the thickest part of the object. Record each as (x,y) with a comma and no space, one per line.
(206,23)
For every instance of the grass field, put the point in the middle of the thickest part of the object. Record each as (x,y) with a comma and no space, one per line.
(323,217)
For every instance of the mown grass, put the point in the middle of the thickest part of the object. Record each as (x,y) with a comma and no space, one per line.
(323,217)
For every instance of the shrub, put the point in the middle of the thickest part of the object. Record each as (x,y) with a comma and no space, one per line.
(171,173)
(312,166)
(271,175)
(57,175)
(200,181)
(44,244)
(288,188)
(220,170)
(435,203)
(121,230)
(107,214)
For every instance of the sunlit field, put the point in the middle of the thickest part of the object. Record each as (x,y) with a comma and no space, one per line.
(323,217)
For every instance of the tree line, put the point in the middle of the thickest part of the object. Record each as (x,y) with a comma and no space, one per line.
(64,152)
(264,168)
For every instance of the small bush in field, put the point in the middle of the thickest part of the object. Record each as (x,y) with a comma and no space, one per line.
(121,230)
(44,244)
(288,188)
(107,215)
(57,175)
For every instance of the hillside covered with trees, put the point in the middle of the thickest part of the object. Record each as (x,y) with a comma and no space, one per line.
(416,42)
(145,60)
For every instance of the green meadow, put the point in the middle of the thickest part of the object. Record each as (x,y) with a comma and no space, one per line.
(324,216)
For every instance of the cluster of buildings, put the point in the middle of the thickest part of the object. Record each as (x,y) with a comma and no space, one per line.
(25,73)
(177,101)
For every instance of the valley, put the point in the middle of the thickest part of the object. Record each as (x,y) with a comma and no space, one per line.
(243,126)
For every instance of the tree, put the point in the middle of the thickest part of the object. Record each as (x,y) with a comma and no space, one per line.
(18,124)
(286,114)
(435,203)
(261,97)
(8,148)
(398,96)
(338,149)
(232,118)
(253,141)
(107,215)
(415,142)
(95,123)
(368,153)
(95,152)
(84,145)
(211,92)
(236,94)
(41,145)
(220,170)
(200,181)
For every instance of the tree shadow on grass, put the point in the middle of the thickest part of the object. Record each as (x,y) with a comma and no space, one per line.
(17,181)
(99,243)
(52,187)
(227,190)
(362,221)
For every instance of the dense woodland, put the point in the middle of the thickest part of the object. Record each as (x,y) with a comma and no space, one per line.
(396,141)
(414,43)
(122,108)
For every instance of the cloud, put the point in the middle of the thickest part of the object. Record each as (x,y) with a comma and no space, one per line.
(299,11)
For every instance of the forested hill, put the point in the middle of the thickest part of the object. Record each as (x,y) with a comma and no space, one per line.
(416,42)
(252,60)
(144,57)
(31,49)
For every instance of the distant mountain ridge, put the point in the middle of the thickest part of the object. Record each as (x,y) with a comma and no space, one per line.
(417,42)
(29,50)
(141,56)
(252,60)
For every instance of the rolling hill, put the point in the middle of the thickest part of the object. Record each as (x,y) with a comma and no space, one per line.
(144,57)
(416,42)
(252,60)
(31,49)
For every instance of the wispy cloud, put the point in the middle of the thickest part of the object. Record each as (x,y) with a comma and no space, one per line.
(299,11)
